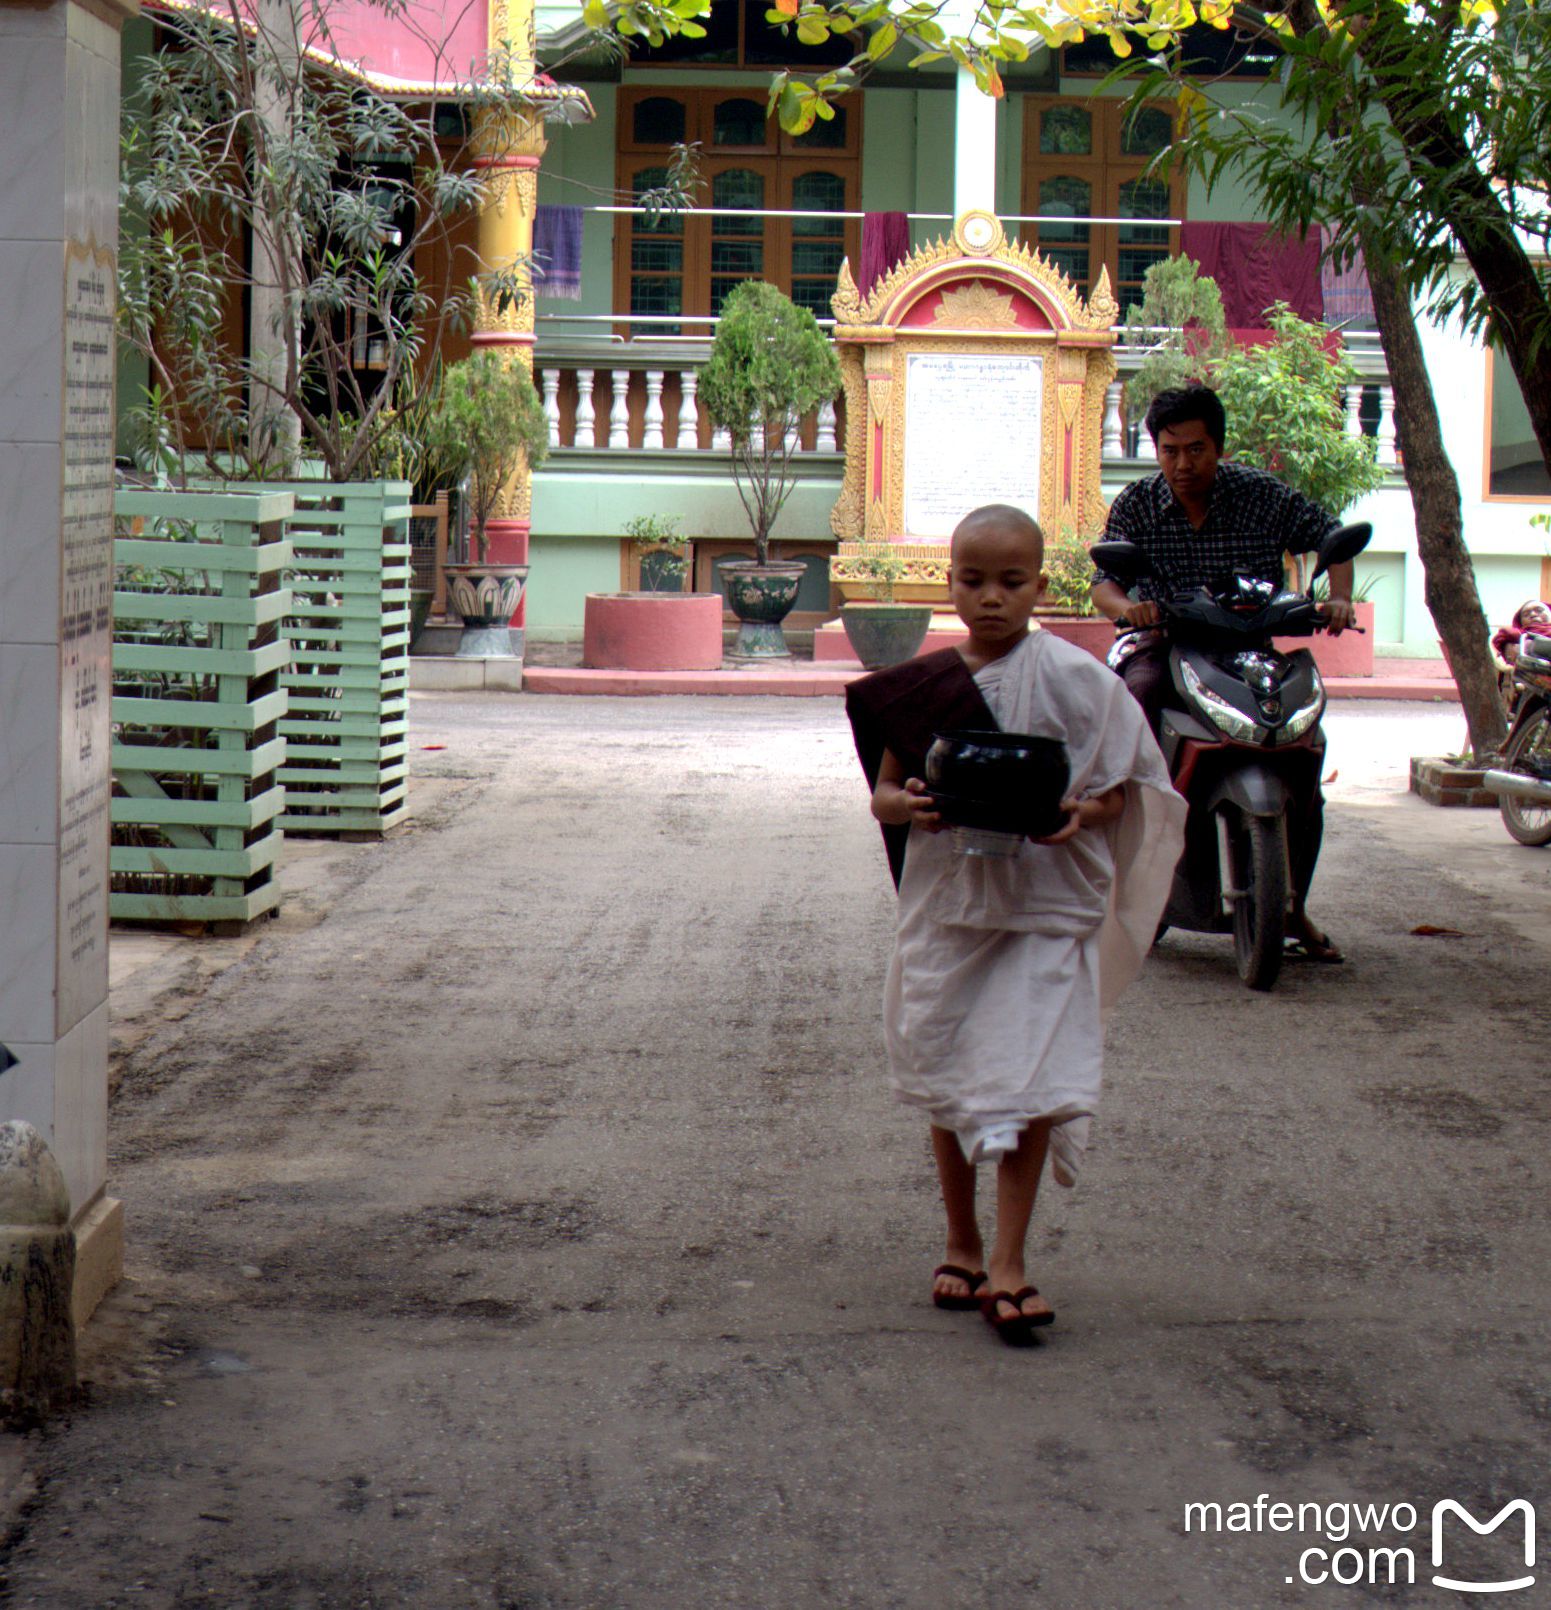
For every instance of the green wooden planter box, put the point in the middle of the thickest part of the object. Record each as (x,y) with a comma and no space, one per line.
(346,766)
(198,698)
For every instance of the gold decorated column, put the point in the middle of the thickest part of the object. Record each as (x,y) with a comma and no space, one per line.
(509,145)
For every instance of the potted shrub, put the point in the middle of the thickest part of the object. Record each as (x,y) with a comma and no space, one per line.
(883,632)
(488,410)
(1065,607)
(662,554)
(770,364)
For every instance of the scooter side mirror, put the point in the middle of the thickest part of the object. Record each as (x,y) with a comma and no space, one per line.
(1342,545)
(1123,560)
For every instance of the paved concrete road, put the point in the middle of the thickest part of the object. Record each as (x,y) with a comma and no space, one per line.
(534,1230)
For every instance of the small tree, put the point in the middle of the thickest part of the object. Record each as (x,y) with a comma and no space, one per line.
(489,413)
(661,548)
(1180,325)
(255,168)
(1283,402)
(1069,570)
(880,567)
(769,365)
(1283,398)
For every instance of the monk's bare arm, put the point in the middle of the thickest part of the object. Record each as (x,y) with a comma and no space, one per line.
(898,799)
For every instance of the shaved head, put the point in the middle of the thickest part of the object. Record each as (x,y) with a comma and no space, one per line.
(1004,520)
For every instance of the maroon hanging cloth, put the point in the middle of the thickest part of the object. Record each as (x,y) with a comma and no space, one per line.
(902,709)
(885,242)
(1254,267)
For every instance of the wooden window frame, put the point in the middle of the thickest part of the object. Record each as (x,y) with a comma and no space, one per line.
(779,160)
(1106,169)
(1534,499)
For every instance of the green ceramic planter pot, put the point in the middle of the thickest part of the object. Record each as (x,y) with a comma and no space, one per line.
(761,596)
(486,596)
(886,634)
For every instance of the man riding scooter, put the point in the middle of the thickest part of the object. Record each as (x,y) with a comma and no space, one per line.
(1199,519)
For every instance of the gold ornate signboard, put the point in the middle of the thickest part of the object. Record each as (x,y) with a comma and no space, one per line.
(974,373)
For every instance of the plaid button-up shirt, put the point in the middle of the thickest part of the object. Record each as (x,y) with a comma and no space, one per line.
(1252,519)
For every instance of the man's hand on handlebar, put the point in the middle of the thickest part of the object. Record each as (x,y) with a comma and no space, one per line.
(1141,612)
(1339,613)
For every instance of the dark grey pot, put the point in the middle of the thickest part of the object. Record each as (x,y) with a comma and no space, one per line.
(886,634)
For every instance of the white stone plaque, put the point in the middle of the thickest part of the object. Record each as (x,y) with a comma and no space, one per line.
(85,633)
(972,436)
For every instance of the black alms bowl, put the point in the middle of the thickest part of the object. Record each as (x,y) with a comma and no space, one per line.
(1004,782)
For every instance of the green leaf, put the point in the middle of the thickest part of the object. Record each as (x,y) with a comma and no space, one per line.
(882,41)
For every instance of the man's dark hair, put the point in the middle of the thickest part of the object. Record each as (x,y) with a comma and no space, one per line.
(1181,404)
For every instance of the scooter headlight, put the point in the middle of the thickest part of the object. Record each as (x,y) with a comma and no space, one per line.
(1306,715)
(1224,716)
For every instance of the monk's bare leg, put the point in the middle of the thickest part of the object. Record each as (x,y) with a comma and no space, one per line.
(957,1178)
(1017,1185)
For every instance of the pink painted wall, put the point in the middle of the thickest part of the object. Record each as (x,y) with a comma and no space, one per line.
(425,41)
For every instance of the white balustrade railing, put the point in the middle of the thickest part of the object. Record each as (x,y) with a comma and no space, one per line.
(639,395)
(640,399)
(1368,410)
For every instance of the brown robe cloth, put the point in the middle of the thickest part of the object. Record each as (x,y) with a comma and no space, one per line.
(902,710)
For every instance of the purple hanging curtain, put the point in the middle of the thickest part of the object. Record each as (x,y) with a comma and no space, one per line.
(1255,267)
(885,242)
(557,252)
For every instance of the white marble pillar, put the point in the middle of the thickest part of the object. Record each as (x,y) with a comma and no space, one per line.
(974,148)
(59,98)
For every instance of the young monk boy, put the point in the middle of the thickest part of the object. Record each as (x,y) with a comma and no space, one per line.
(1001,966)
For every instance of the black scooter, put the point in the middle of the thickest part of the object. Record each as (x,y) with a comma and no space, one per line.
(1244,746)
(1523,782)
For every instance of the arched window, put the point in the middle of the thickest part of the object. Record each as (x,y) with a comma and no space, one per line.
(656,253)
(738,122)
(1086,160)
(737,242)
(818,243)
(754,175)
(658,120)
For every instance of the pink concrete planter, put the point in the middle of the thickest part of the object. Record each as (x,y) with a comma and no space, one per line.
(652,632)
(1350,654)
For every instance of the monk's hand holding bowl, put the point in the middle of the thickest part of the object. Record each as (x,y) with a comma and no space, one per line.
(922,807)
(1074,824)
(1097,810)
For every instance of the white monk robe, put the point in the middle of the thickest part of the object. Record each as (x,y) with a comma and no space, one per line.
(1001,967)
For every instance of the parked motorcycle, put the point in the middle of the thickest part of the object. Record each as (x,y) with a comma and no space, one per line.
(1244,746)
(1523,782)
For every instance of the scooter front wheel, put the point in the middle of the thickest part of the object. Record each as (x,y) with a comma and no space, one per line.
(1260,911)
(1527,822)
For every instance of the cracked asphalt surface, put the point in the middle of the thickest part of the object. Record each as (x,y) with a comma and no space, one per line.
(534,1229)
